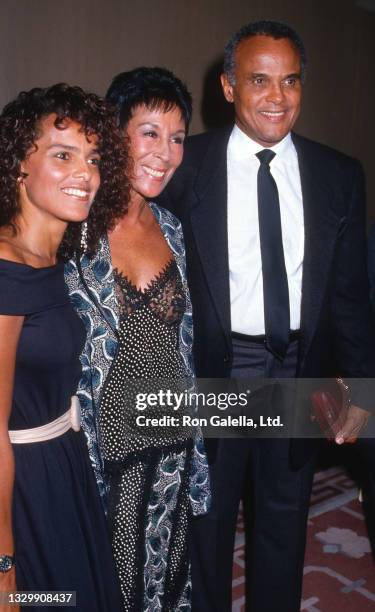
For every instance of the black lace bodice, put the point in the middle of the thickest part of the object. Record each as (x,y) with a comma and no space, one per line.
(164,295)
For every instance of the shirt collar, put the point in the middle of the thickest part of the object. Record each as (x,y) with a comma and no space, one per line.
(240,146)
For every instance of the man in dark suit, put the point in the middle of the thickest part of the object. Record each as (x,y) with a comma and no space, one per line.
(274,227)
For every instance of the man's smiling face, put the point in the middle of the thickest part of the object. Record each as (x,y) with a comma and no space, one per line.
(267,88)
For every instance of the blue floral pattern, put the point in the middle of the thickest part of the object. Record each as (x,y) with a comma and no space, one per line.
(159,520)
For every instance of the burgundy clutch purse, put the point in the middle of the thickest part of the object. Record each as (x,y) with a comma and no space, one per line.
(330,407)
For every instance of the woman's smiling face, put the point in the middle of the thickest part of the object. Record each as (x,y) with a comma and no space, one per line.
(61,175)
(156,148)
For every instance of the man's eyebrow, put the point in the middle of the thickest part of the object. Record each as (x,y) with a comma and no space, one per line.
(293,75)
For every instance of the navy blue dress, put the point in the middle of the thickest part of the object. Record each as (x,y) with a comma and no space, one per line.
(60,532)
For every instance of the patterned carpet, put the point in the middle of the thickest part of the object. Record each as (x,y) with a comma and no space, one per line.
(339,569)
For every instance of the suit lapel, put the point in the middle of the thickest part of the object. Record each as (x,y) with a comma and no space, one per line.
(321,229)
(209,225)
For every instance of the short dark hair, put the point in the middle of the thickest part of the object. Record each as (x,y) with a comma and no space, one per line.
(156,88)
(20,124)
(273,29)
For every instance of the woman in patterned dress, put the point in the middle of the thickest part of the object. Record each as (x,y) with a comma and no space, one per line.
(132,294)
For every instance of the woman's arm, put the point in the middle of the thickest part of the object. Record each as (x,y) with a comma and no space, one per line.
(10,329)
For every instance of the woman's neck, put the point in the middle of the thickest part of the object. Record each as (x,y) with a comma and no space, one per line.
(35,242)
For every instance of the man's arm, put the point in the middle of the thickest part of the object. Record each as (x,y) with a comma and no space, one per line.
(351,312)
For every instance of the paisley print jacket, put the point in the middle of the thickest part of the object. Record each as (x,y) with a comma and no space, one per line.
(92,291)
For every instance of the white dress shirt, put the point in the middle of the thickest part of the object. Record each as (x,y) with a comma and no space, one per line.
(245,264)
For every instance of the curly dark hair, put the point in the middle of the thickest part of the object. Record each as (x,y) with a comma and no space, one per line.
(156,88)
(20,124)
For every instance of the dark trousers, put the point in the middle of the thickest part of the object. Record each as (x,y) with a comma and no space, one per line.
(276,500)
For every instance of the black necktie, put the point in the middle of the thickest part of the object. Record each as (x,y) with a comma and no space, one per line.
(275,281)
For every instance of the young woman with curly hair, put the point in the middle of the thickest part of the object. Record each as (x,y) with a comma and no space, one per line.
(60,156)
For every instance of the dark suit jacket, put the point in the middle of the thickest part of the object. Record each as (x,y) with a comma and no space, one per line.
(336,329)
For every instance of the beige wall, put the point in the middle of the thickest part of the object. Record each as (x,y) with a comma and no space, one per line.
(86,42)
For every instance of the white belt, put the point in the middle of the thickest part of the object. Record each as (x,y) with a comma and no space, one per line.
(71,419)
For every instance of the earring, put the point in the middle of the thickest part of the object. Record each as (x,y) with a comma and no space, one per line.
(84,236)
(21,177)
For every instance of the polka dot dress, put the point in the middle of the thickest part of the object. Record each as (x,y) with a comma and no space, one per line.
(148,472)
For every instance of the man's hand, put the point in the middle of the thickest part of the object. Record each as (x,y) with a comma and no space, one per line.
(357,419)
